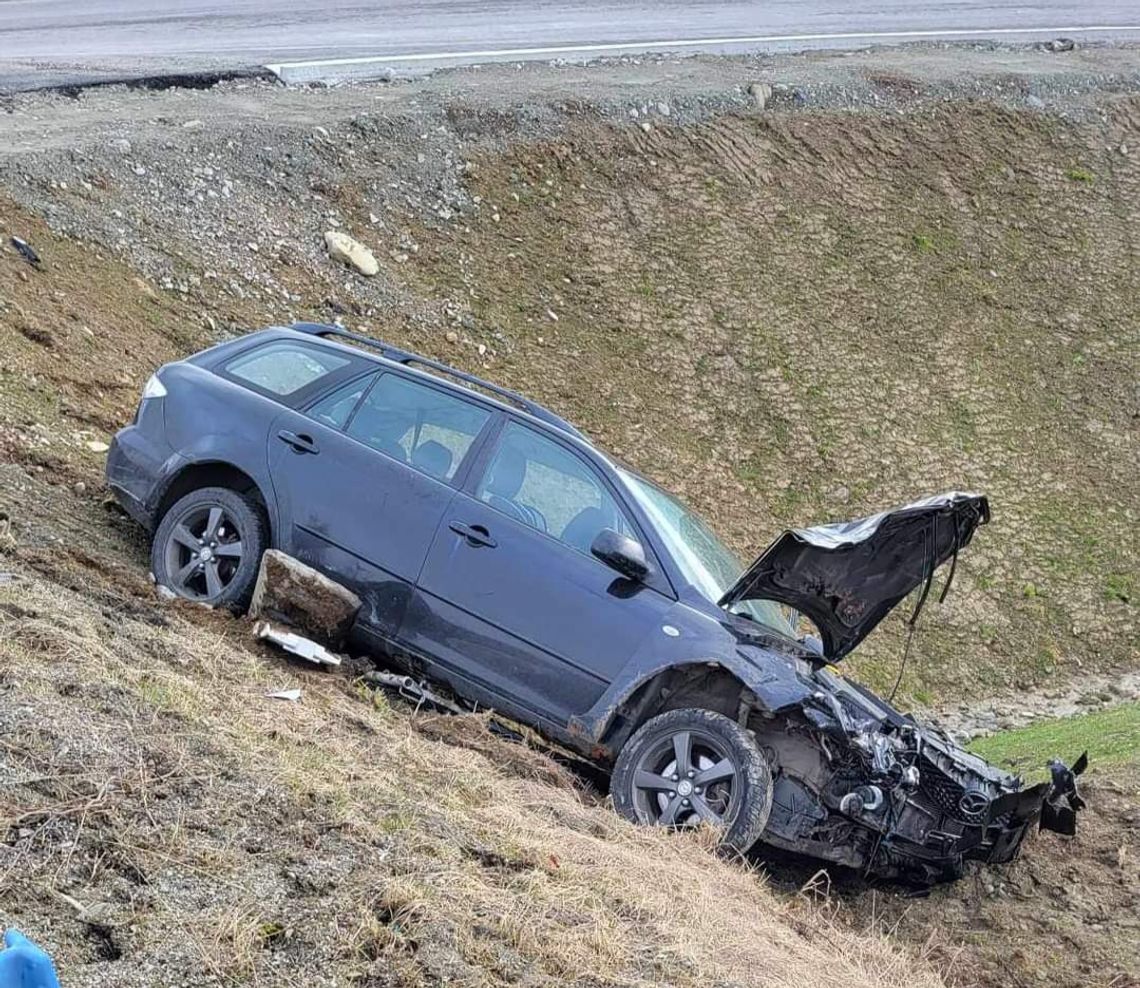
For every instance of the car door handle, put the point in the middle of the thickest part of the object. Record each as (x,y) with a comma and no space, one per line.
(476,535)
(301,443)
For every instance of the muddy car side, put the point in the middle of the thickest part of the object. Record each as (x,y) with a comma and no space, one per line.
(497,550)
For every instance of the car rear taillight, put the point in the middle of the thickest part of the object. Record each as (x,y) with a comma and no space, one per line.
(153,388)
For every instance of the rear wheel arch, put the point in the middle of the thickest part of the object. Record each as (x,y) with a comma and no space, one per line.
(213,473)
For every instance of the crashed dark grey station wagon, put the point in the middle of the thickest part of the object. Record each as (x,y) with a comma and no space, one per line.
(498,551)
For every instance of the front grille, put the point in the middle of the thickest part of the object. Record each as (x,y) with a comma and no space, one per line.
(948,796)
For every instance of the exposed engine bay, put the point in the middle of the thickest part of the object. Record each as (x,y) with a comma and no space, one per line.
(858,783)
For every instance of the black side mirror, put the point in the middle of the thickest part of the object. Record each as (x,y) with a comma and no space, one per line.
(621,553)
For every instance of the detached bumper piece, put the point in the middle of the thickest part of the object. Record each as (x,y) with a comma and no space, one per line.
(1061,805)
(1051,805)
(294,644)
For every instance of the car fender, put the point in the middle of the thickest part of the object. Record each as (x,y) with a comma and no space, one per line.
(689,637)
(243,444)
(236,456)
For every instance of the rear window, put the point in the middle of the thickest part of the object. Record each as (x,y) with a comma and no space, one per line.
(284,368)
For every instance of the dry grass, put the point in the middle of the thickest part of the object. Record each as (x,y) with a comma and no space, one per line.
(149,779)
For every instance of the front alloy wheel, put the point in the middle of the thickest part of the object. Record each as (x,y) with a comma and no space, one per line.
(691,766)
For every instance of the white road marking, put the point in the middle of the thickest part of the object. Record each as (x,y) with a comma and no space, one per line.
(706,42)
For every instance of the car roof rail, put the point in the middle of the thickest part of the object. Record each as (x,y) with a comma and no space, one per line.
(398,354)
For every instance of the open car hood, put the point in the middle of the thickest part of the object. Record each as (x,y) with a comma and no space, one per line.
(848,576)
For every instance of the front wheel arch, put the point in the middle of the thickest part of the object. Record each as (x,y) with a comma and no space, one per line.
(706,685)
(214,473)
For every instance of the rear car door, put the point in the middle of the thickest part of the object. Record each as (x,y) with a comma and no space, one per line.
(363,477)
(510,599)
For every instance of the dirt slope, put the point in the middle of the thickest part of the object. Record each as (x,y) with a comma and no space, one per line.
(788,316)
(795,319)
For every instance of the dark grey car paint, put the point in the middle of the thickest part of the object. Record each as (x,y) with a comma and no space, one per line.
(556,638)
(848,576)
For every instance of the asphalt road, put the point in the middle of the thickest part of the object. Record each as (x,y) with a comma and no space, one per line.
(50,39)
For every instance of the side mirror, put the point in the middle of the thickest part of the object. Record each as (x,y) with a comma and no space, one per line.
(621,553)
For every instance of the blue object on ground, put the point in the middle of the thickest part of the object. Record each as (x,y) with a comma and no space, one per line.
(24,965)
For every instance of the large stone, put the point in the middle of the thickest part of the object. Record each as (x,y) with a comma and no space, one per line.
(761,92)
(291,592)
(343,248)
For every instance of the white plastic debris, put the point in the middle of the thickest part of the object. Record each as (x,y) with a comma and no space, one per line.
(292,695)
(294,644)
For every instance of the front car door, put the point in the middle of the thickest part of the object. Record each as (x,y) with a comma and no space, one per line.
(363,478)
(511,603)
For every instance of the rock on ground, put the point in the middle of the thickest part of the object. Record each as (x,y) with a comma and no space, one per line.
(288,590)
(352,252)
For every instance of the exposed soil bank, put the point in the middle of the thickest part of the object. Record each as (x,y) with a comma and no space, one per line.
(868,289)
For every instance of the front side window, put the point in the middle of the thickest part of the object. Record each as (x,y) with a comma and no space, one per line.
(284,368)
(542,484)
(426,428)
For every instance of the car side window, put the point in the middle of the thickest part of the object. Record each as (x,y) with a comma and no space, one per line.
(542,484)
(424,427)
(284,368)
(334,409)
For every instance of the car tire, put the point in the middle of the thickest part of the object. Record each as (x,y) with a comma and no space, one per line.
(208,547)
(684,755)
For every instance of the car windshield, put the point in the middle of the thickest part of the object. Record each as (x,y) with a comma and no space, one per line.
(706,562)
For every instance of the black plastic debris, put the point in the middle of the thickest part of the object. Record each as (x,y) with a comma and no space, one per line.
(27,251)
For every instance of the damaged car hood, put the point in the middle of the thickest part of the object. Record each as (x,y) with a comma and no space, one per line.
(846,577)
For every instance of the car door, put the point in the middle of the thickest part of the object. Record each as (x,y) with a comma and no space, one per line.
(362,479)
(510,598)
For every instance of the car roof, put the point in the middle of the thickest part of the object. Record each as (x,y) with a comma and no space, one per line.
(387,353)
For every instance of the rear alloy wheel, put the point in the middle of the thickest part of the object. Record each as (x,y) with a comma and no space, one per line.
(690,766)
(208,547)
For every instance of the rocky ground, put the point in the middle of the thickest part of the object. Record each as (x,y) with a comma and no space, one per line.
(792,289)
(981,718)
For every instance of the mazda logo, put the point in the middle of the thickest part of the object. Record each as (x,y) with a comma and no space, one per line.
(973,802)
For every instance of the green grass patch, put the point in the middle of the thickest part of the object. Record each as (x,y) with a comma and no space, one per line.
(1120,586)
(1080,175)
(1111,737)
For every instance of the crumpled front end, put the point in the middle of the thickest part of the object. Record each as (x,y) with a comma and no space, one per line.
(859,784)
(964,809)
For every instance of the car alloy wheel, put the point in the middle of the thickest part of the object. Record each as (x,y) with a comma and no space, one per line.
(208,547)
(685,779)
(690,766)
(203,551)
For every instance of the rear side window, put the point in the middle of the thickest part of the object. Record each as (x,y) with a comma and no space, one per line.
(428,429)
(284,368)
